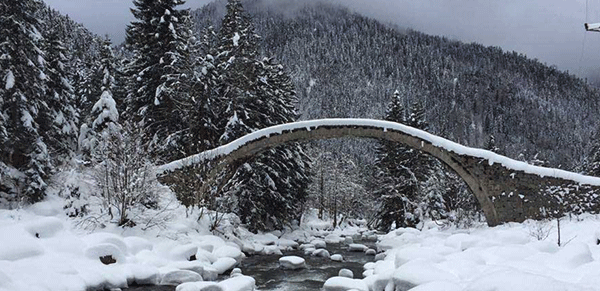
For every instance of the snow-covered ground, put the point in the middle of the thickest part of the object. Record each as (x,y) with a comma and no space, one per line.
(42,249)
(509,257)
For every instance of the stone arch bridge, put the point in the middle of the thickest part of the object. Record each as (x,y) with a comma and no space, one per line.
(507,190)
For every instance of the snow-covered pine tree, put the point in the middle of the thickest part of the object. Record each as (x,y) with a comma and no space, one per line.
(592,163)
(397,186)
(23,86)
(204,114)
(103,123)
(58,122)
(159,74)
(256,94)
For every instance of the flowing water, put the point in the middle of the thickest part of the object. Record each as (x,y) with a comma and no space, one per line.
(270,276)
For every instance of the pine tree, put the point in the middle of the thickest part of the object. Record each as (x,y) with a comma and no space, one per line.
(60,119)
(103,124)
(592,164)
(257,94)
(159,74)
(22,92)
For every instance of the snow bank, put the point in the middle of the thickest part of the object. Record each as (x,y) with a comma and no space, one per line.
(506,257)
(384,126)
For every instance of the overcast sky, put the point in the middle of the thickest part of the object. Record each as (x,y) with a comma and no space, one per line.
(549,30)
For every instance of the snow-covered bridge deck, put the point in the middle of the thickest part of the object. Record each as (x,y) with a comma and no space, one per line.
(507,190)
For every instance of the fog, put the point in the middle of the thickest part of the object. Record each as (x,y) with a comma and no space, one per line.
(105,17)
(549,30)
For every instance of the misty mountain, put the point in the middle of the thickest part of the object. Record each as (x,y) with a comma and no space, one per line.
(347,65)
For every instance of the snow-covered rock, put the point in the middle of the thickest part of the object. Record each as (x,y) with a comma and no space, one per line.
(239,283)
(319,243)
(272,250)
(346,273)
(194,266)
(225,264)
(16,244)
(199,286)
(251,248)
(105,250)
(323,253)
(44,227)
(266,239)
(370,252)
(228,251)
(309,251)
(306,246)
(333,239)
(348,240)
(287,244)
(357,248)
(184,252)
(292,262)
(344,284)
(137,244)
(180,276)
(144,275)
(209,273)
(337,258)
(236,272)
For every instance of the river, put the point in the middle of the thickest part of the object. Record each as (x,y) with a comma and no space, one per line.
(270,277)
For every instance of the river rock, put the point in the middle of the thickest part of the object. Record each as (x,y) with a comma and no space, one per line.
(105,252)
(309,251)
(239,283)
(337,258)
(357,248)
(180,276)
(223,265)
(346,273)
(236,272)
(184,252)
(292,262)
(199,286)
(287,243)
(44,227)
(321,253)
(306,246)
(194,266)
(319,243)
(252,248)
(348,240)
(228,251)
(344,284)
(370,252)
(380,257)
(333,239)
(210,273)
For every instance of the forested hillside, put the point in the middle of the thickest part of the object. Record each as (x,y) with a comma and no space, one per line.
(347,65)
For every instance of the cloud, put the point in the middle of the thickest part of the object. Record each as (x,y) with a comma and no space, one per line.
(105,17)
(549,30)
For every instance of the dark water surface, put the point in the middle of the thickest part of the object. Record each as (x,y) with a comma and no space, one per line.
(270,277)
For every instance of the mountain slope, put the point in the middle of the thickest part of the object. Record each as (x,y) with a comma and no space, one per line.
(347,65)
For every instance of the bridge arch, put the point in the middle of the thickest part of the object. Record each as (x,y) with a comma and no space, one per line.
(507,190)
